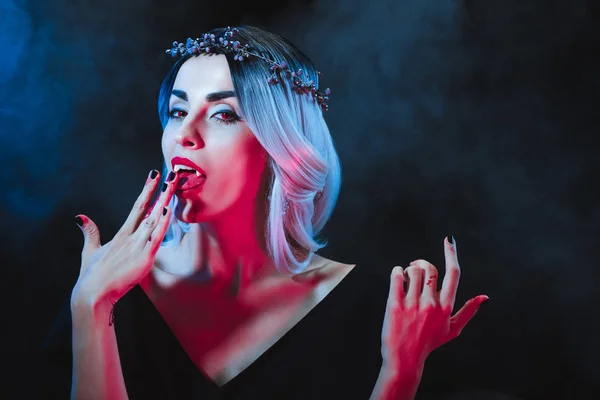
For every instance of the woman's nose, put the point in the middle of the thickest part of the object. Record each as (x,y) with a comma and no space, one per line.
(189,136)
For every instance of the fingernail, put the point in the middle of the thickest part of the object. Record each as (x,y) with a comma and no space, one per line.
(450,239)
(164,187)
(485,301)
(164,210)
(171,176)
(79,221)
(153,174)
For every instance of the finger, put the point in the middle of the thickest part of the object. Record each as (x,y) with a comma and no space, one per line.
(159,233)
(415,281)
(465,314)
(141,204)
(172,179)
(166,194)
(396,294)
(150,208)
(430,282)
(147,227)
(91,235)
(451,276)
(167,191)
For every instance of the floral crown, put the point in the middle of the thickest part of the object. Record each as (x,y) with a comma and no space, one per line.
(209,43)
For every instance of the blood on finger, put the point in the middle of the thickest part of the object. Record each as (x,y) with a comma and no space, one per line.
(150,210)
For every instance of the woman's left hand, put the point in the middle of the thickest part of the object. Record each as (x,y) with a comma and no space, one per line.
(419,320)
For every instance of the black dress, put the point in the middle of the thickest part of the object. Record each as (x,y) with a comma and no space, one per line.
(334,352)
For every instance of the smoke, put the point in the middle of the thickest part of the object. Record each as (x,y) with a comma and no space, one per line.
(15,33)
(464,117)
(37,110)
(461,107)
(477,119)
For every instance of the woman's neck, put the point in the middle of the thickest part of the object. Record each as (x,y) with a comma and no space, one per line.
(229,251)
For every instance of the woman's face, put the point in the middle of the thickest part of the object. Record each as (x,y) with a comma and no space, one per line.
(206,128)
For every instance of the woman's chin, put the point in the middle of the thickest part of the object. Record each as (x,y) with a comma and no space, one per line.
(193,214)
(188,213)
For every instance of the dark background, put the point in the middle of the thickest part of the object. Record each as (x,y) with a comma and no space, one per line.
(477,118)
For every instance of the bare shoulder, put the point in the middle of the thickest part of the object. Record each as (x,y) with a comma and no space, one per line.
(322,269)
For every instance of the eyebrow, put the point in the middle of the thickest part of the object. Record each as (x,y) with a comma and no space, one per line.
(211,97)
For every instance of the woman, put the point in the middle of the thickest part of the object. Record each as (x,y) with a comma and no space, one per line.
(220,291)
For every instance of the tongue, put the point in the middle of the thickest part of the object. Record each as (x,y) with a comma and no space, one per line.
(189,180)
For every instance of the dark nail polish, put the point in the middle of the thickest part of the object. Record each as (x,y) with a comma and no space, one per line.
(153,174)
(164,187)
(164,210)
(171,176)
(79,221)
(450,239)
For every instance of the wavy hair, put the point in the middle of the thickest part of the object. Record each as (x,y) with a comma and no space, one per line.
(304,164)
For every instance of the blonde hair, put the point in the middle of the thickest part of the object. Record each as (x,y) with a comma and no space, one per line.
(301,155)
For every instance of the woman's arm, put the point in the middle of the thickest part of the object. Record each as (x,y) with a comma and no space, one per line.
(419,320)
(107,273)
(96,365)
(401,385)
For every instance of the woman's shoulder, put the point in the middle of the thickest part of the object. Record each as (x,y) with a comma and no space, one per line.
(324,271)
(357,277)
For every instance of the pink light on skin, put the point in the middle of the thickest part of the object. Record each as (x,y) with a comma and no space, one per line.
(206,127)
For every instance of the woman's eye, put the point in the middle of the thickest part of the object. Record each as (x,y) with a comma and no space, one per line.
(177,114)
(226,117)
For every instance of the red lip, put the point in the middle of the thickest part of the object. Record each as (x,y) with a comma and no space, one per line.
(187,162)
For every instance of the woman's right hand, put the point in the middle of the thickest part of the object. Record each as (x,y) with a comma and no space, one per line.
(108,272)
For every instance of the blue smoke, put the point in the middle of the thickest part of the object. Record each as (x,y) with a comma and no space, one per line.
(32,110)
(37,109)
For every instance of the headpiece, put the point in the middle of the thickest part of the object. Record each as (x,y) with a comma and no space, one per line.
(209,43)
